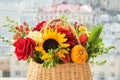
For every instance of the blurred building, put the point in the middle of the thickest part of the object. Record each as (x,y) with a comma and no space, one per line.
(109,71)
(111,6)
(28,12)
(33,11)
(4,61)
(17,68)
(8,8)
(4,66)
(94,3)
(71,1)
(81,13)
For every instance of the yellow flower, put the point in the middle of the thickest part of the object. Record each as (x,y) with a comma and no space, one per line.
(51,39)
(36,36)
(62,53)
(87,33)
(46,56)
(82,29)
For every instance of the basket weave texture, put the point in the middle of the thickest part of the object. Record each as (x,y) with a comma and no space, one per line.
(68,71)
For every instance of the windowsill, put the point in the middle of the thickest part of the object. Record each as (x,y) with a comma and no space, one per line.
(12,78)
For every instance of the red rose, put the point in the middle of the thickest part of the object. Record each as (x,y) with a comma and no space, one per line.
(39,26)
(24,48)
(83,39)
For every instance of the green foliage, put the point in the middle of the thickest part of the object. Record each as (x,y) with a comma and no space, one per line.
(52,60)
(11,25)
(11,28)
(98,63)
(5,40)
(11,54)
(64,17)
(37,57)
(94,35)
(95,45)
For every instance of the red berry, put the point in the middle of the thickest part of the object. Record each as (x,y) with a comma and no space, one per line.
(21,28)
(16,37)
(27,32)
(81,25)
(17,28)
(27,29)
(24,23)
(76,22)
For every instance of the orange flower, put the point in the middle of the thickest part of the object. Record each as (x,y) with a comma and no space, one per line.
(66,27)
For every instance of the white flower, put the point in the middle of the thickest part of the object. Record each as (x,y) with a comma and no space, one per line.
(35,35)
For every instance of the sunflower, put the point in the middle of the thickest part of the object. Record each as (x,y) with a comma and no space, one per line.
(51,39)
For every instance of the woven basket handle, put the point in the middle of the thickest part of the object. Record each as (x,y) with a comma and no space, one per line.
(62,20)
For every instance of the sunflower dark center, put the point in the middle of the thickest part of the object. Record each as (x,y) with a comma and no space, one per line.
(50,44)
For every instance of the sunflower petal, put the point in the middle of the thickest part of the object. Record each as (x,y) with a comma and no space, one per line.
(45,56)
(65,51)
(65,45)
(60,54)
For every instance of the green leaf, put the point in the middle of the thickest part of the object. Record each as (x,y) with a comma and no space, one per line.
(37,56)
(9,20)
(11,54)
(5,40)
(98,63)
(94,35)
(64,17)
(56,58)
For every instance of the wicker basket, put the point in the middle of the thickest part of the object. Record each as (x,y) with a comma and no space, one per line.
(68,71)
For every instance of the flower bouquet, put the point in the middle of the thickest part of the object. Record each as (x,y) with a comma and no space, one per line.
(56,49)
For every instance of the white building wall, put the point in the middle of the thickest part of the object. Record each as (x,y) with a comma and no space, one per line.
(110,5)
(109,71)
(1,73)
(114,5)
(17,68)
(103,3)
(83,18)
